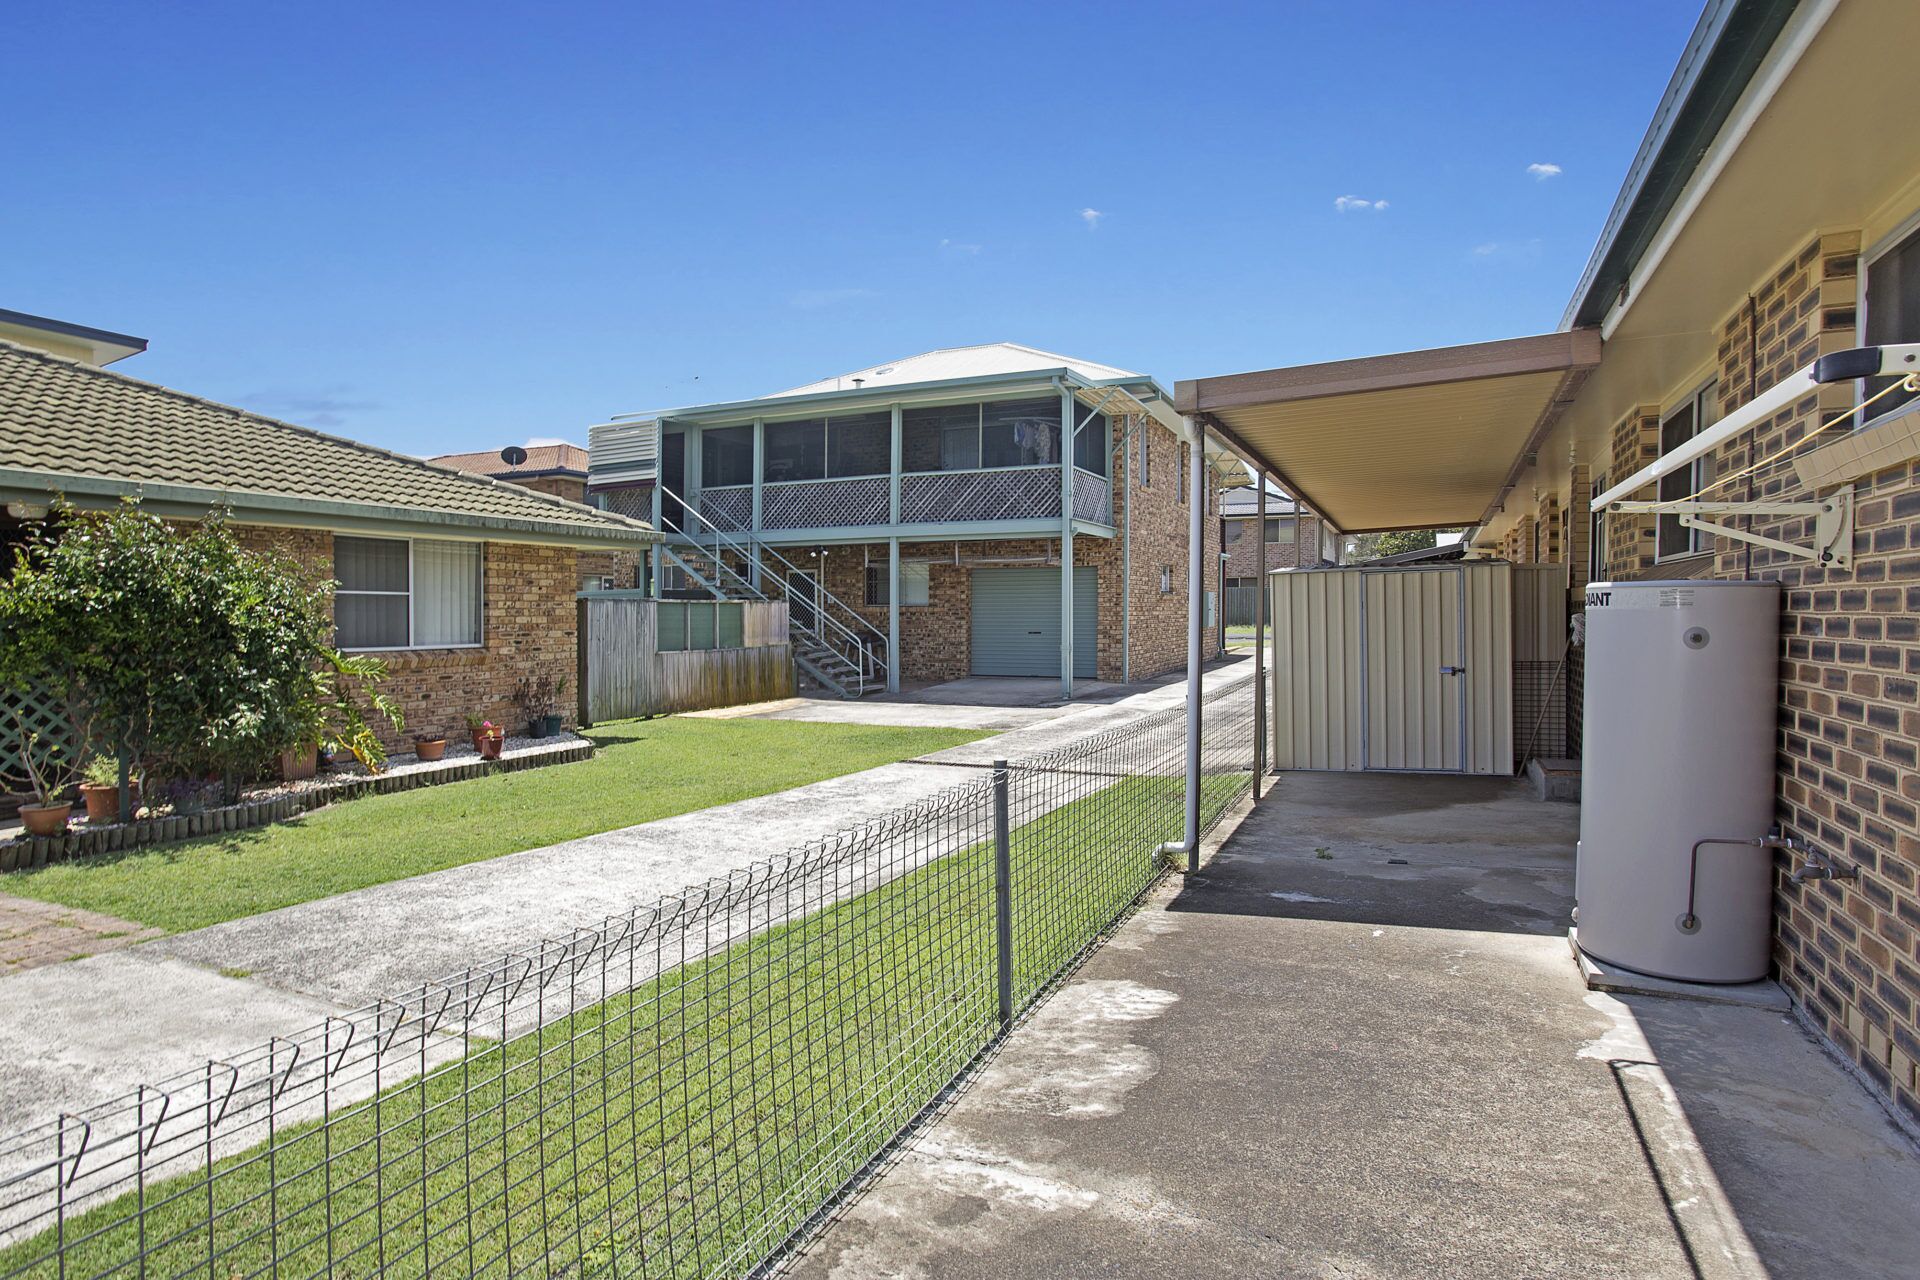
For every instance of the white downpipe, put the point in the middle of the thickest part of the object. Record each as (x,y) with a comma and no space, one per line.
(1196,587)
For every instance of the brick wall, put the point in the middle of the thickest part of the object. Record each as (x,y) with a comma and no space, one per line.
(1243,561)
(1630,538)
(936,639)
(528,628)
(1849,729)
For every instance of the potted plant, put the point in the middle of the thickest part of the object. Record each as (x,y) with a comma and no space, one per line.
(429,744)
(539,697)
(47,767)
(489,739)
(300,762)
(475,727)
(100,789)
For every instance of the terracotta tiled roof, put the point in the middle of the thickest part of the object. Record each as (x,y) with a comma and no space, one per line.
(540,457)
(73,428)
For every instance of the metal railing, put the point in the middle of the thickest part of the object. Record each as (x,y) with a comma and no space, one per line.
(677,1090)
(822,617)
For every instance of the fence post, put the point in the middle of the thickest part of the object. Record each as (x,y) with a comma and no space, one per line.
(1002,893)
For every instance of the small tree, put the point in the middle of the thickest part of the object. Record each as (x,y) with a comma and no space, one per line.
(190,653)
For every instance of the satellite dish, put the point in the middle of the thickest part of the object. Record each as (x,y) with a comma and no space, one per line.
(513,455)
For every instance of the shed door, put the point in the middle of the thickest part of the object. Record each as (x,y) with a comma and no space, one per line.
(1016,621)
(1415,680)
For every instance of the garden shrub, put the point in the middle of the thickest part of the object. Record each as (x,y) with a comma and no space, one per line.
(192,654)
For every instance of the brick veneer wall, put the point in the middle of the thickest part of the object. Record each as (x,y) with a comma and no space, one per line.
(528,628)
(1849,729)
(936,639)
(1630,538)
(1244,562)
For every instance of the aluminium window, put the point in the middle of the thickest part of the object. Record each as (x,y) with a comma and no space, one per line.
(1280,530)
(915,585)
(1232,528)
(1597,536)
(399,593)
(1685,421)
(1146,457)
(1890,312)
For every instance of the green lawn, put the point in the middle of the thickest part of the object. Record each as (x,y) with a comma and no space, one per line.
(685,1127)
(644,769)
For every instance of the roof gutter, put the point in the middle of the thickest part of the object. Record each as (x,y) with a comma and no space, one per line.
(192,501)
(1728,45)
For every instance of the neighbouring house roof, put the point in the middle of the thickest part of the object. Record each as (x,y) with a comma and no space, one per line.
(96,436)
(541,460)
(102,346)
(1244,501)
(996,369)
(985,360)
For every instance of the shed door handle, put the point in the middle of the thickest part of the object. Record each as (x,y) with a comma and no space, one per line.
(1453,671)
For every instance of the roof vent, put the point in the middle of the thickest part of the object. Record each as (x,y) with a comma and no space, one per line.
(513,455)
(859,382)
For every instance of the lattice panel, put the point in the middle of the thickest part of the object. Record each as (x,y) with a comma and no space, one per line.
(42,714)
(823,504)
(728,508)
(1020,494)
(635,501)
(1092,498)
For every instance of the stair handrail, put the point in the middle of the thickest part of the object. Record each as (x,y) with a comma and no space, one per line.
(751,551)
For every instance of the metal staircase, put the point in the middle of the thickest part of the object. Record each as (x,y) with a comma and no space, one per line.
(833,645)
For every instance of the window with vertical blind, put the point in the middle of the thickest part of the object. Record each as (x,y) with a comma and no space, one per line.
(1890,312)
(398,593)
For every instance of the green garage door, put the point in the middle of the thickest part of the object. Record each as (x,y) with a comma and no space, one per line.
(1016,622)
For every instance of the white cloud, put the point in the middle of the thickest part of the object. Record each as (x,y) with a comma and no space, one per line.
(1486,250)
(814,299)
(1541,172)
(959,246)
(1092,218)
(1508,250)
(1348,204)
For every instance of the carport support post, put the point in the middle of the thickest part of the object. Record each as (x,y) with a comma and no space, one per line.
(1260,628)
(1002,894)
(1196,588)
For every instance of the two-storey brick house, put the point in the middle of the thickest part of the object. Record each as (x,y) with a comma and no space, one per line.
(991,510)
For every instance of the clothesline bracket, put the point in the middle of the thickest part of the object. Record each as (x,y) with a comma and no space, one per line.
(1832,543)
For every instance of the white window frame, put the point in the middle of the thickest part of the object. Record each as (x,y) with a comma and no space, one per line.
(410,646)
(1879,249)
(1699,541)
(1597,536)
(1146,455)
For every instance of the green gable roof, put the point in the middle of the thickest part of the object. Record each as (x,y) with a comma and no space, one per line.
(95,436)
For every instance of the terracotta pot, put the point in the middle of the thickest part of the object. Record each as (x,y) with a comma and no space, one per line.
(298,763)
(429,748)
(490,747)
(103,803)
(45,820)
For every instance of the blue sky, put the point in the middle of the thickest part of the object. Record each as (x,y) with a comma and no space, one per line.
(454,226)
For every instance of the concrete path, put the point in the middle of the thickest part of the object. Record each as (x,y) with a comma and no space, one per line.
(345,952)
(977,702)
(1357,1045)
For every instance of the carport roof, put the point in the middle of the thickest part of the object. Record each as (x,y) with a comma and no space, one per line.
(1417,440)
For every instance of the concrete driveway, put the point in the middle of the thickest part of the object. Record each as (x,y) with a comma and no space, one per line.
(76,1034)
(1356,1045)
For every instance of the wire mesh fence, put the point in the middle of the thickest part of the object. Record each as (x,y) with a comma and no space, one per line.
(674,1091)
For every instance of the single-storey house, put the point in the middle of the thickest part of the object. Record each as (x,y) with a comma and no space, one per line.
(1770,218)
(463,584)
(561,470)
(993,510)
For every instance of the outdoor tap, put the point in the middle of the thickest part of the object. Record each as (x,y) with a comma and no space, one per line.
(1819,866)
